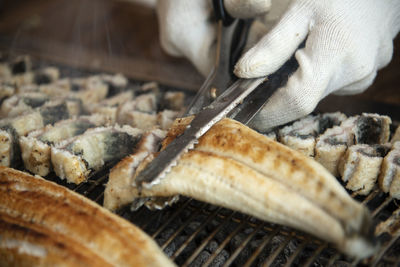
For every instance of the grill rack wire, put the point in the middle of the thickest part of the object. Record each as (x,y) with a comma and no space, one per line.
(187,233)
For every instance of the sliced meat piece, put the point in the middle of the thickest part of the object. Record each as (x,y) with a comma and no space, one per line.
(21,103)
(35,147)
(118,192)
(364,129)
(389,178)
(360,166)
(12,129)
(301,135)
(76,158)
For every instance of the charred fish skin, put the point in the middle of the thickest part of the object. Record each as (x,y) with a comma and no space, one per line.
(118,191)
(361,165)
(36,146)
(76,158)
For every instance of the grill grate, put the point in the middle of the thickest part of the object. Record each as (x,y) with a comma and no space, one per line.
(193,233)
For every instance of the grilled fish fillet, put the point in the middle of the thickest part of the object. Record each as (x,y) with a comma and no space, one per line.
(235,167)
(44,224)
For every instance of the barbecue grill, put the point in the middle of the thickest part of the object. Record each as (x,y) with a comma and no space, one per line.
(190,232)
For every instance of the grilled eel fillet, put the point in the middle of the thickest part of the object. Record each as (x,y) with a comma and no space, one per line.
(44,224)
(235,167)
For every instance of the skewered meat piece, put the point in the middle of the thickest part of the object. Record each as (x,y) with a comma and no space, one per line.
(74,159)
(44,224)
(301,134)
(237,168)
(360,166)
(35,147)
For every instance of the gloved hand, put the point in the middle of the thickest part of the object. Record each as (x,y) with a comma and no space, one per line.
(347,42)
(187,29)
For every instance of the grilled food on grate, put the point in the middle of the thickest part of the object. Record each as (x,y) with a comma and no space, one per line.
(44,224)
(235,167)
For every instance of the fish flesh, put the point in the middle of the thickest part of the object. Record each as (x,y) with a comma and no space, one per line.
(361,129)
(109,107)
(45,224)
(301,135)
(74,159)
(36,146)
(237,168)
(12,128)
(118,191)
(389,178)
(22,103)
(360,166)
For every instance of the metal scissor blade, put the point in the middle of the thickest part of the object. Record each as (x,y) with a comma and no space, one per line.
(207,117)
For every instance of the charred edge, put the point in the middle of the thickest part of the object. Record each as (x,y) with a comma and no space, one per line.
(19,67)
(113,89)
(53,114)
(34,102)
(42,78)
(15,153)
(325,123)
(334,142)
(368,130)
(120,145)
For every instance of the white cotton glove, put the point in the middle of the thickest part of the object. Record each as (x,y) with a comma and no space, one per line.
(347,42)
(187,29)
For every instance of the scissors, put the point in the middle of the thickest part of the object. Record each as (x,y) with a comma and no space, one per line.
(217,98)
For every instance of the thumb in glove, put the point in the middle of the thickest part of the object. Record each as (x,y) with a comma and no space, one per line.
(347,41)
(187,28)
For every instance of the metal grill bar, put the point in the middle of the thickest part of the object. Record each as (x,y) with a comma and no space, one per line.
(299,249)
(261,247)
(273,256)
(208,239)
(191,237)
(224,243)
(180,229)
(241,247)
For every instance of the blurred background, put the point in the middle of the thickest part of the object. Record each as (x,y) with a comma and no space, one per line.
(122,36)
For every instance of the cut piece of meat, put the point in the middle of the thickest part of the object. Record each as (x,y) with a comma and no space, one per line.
(360,166)
(389,178)
(301,134)
(35,147)
(76,158)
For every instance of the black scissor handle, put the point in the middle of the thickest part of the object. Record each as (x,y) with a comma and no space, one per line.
(221,14)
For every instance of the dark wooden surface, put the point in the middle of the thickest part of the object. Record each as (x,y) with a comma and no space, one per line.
(118,36)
